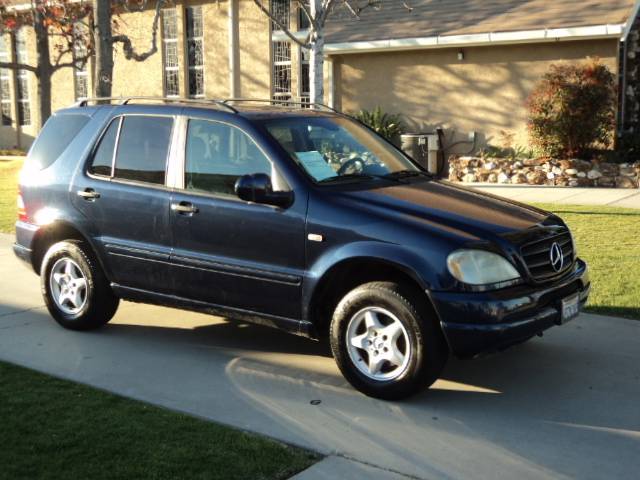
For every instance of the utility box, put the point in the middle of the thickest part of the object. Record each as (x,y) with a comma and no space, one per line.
(424,148)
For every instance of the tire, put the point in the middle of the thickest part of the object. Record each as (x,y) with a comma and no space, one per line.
(419,350)
(63,269)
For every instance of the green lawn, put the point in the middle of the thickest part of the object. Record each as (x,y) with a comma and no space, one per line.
(608,239)
(52,429)
(8,191)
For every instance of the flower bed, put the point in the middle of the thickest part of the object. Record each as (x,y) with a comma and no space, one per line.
(544,171)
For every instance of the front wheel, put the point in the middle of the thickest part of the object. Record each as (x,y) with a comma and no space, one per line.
(75,290)
(386,342)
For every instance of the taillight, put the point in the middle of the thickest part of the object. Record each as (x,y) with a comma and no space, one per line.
(22,211)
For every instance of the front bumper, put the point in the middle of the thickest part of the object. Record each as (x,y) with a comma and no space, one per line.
(482,322)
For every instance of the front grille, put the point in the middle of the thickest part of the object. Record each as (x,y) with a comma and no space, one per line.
(537,254)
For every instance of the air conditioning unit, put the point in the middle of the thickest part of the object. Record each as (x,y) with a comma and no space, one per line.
(424,148)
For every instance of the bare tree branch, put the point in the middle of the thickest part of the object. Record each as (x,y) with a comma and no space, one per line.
(127,46)
(302,5)
(18,66)
(77,62)
(286,30)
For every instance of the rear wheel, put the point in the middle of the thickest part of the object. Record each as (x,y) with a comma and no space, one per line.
(386,342)
(75,290)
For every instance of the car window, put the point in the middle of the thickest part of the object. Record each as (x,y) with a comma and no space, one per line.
(218,154)
(330,147)
(103,156)
(143,148)
(55,137)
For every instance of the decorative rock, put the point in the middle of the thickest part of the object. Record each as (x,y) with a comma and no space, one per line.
(536,177)
(519,178)
(490,165)
(533,162)
(564,164)
(503,178)
(543,171)
(606,182)
(625,182)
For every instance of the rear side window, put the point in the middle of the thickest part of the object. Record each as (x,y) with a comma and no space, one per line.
(103,157)
(143,148)
(55,137)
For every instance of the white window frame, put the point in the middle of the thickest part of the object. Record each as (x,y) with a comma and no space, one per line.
(280,95)
(80,73)
(166,41)
(5,81)
(22,88)
(195,68)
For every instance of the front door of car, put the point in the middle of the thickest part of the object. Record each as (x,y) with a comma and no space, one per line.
(227,251)
(125,202)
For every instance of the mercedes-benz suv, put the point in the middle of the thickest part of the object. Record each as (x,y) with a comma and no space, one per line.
(301,219)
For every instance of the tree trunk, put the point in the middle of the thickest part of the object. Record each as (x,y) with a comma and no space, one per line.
(44,68)
(316,62)
(103,41)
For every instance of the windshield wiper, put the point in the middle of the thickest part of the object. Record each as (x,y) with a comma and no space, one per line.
(346,176)
(408,173)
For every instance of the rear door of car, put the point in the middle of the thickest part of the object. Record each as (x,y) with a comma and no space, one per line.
(228,251)
(123,194)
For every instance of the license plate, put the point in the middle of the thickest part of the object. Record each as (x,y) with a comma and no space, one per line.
(570,308)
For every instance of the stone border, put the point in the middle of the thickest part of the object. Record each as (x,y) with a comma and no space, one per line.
(544,171)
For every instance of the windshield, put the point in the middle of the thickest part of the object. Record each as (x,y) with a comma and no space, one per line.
(332,148)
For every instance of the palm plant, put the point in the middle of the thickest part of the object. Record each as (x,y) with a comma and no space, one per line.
(390,126)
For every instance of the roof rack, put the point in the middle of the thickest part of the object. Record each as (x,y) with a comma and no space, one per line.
(281,103)
(127,100)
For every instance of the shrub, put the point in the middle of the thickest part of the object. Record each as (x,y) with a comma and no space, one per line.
(390,126)
(572,109)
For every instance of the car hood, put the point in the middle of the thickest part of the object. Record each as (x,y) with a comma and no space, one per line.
(451,206)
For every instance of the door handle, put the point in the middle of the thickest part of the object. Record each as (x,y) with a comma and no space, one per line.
(184,208)
(88,194)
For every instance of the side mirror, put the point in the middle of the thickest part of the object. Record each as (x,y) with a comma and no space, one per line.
(257,188)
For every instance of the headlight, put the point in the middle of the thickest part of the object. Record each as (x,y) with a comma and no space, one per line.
(479,267)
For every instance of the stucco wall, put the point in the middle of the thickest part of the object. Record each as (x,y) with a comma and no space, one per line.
(255,51)
(485,92)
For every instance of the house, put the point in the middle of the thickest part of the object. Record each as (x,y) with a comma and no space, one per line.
(466,65)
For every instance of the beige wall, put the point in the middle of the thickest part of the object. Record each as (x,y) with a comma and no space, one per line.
(485,92)
(255,52)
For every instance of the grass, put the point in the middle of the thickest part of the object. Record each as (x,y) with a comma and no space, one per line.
(51,429)
(608,239)
(8,192)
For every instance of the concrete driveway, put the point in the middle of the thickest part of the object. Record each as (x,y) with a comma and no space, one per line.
(564,406)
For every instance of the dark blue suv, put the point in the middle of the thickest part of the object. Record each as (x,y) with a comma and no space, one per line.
(301,219)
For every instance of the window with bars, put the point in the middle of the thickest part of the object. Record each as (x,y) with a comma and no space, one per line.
(305,81)
(303,20)
(195,54)
(22,90)
(80,69)
(170,52)
(281,71)
(280,9)
(5,84)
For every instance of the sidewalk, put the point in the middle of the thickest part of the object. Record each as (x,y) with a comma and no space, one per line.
(612,197)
